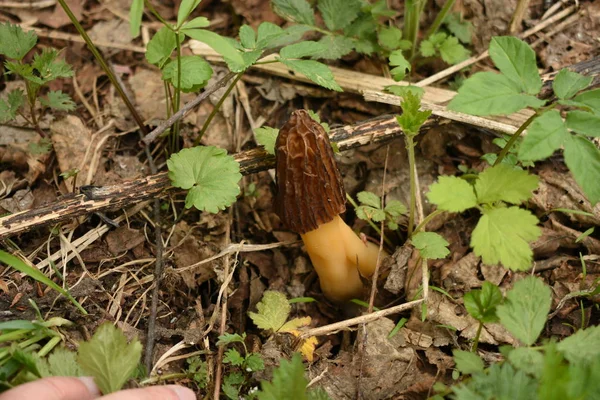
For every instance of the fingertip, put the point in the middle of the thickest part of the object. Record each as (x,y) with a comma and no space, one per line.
(182,392)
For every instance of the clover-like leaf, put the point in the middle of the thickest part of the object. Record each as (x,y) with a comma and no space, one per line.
(451,193)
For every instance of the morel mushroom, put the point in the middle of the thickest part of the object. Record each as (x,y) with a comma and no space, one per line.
(310,197)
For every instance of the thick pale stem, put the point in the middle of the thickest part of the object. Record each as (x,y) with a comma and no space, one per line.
(340,258)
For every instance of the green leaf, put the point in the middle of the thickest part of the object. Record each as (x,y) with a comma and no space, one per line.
(452,194)
(566,84)
(35,273)
(481,303)
(62,362)
(395,208)
(431,45)
(527,359)
(273,311)
(298,11)
(185,9)
(500,382)
(367,213)
(48,67)
(221,45)
(582,347)
(516,60)
(247,37)
(583,159)
(303,49)
(10,106)
(198,22)
(412,118)
(290,35)
(400,63)
(254,362)
(211,175)
(488,93)
(505,183)
(467,362)
(315,71)
(453,52)
(583,122)
(231,385)
(369,199)
(268,32)
(545,135)
(502,235)
(136,12)
(233,357)
(109,358)
(402,90)
(267,137)
(526,308)
(195,73)
(431,245)
(590,99)
(288,382)
(460,28)
(58,101)
(228,338)
(161,46)
(14,43)
(335,47)
(338,14)
(389,37)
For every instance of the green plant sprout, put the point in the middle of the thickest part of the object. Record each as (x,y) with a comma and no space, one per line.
(515,88)
(45,67)
(240,380)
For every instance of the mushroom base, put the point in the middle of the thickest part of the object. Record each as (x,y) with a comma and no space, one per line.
(340,258)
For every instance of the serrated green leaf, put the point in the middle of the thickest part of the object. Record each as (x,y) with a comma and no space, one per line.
(273,311)
(211,175)
(453,194)
(567,84)
(481,303)
(431,245)
(268,32)
(233,357)
(290,35)
(254,362)
(62,362)
(400,64)
(452,51)
(488,93)
(10,107)
(363,31)
(228,338)
(231,385)
(500,382)
(303,49)
(545,135)
(161,46)
(185,9)
(412,118)
(336,46)
(108,358)
(14,43)
(402,90)
(370,199)
(395,208)
(527,359)
(136,12)
(526,308)
(583,159)
(195,73)
(367,213)
(267,137)
(247,37)
(460,28)
(288,382)
(582,347)
(589,99)
(338,14)
(516,60)
(502,235)
(505,183)
(49,67)
(298,11)
(467,362)
(389,37)
(58,101)
(583,122)
(315,71)
(198,22)
(221,45)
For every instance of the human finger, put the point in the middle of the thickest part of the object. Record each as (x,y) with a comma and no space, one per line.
(54,388)
(168,392)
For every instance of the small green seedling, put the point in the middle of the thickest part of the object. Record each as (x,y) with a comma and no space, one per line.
(240,380)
